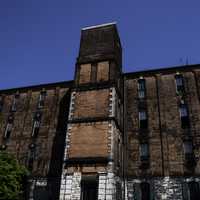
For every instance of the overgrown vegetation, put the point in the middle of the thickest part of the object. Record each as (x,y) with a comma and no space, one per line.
(12,176)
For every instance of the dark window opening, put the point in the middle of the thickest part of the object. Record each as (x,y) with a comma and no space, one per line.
(143,122)
(9,127)
(36,125)
(145,191)
(141,88)
(89,188)
(31,156)
(144,151)
(188,147)
(41,99)
(194,190)
(1,103)
(30,163)
(41,193)
(190,160)
(179,83)
(14,103)
(8,131)
(185,122)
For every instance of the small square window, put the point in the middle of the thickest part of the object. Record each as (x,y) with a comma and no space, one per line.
(142,115)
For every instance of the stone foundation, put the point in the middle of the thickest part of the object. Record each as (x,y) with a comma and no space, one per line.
(71,187)
(166,188)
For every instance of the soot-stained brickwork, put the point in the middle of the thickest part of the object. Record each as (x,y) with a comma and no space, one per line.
(107,135)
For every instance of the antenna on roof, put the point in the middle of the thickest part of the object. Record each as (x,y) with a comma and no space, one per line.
(181,61)
(187,61)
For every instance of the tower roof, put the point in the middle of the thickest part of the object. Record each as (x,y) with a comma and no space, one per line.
(99,42)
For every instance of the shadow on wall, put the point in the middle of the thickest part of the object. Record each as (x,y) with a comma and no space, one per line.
(55,171)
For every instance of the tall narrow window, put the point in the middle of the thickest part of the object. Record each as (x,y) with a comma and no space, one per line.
(36,125)
(188,147)
(31,156)
(41,99)
(9,127)
(184,116)
(194,190)
(14,103)
(145,191)
(143,122)
(141,88)
(144,151)
(179,83)
(1,103)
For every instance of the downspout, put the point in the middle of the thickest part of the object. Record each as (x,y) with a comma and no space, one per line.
(160,126)
(123,141)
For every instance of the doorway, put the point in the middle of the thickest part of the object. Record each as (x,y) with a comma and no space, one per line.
(89,187)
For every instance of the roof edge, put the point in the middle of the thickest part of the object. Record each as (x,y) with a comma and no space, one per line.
(98,26)
(162,70)
(34,87)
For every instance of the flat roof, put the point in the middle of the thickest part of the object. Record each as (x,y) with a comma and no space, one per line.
(98,26)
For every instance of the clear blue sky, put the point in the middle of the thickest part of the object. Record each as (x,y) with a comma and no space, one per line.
(39,39)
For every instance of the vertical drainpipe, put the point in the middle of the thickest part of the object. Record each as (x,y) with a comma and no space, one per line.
(160,126)
(123,141)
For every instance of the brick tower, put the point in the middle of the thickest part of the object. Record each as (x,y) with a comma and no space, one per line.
(92,166)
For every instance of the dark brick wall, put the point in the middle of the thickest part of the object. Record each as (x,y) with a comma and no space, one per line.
(164,135)
(20,139)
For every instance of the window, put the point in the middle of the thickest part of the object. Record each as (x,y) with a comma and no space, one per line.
(14,103)
(36,125)
(184,116)
(145,191)
(31,156)
(141,88)
(143,123)
(144,151)
(9,127)
(188,147)
(1,103)
(41,99)
(179,83)
(8,131)
(194,191)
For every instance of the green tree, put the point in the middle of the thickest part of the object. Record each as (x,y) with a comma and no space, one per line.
(12,175)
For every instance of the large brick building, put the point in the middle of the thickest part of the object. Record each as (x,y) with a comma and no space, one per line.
(107,135)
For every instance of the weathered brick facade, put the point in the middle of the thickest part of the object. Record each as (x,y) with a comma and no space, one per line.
(107,135)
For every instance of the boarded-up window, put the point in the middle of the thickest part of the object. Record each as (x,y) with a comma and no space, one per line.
(103,71)
(85,73)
